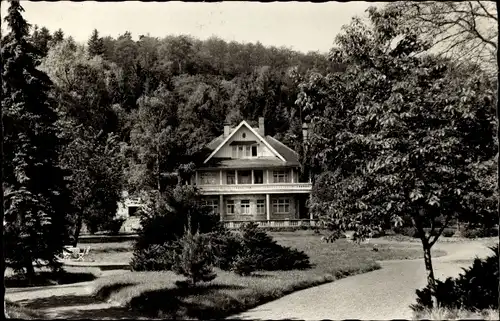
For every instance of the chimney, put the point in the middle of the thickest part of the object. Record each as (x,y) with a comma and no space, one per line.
(261,130)
(305,132)
(226,130)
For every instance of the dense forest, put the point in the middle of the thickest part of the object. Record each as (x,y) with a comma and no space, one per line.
(173,94)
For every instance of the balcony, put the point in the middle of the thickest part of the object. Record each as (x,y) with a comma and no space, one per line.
(271,188)
(276,223)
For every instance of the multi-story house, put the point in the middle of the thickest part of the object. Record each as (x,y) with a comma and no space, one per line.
(250,176)
(247,176)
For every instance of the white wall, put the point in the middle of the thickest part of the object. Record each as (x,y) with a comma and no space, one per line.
(226,150)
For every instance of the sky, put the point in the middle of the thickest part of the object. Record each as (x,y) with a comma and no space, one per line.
(296,25)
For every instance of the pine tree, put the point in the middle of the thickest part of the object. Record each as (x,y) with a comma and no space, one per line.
(194,260)
(57,37)
(95,44)
(36,196)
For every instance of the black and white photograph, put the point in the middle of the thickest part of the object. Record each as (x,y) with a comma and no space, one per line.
(247,160)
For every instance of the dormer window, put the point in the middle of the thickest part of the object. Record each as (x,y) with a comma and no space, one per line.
(244,150)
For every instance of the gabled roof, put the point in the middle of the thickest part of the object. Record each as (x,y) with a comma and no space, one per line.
(224,141)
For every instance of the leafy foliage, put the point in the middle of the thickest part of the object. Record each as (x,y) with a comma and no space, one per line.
(154,258)
(475,289)
(166,219)
(394,136)
(399,133)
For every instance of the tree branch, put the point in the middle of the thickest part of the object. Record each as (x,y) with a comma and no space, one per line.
(447,220)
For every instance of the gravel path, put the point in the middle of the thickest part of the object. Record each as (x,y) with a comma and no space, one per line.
(379,295)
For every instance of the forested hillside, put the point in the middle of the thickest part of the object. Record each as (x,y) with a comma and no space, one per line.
(170,96)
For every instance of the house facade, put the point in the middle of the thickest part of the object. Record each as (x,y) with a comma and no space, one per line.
(250,176)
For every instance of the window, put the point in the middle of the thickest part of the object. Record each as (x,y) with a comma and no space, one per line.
(230,177)
(281,205)
(254,151)
(258,177)
(280,177)
(243,135)
(244,150)
(133,210)
(261,206)
(245,206)
(213,204)
(208,178)
(230,207)
(244,177)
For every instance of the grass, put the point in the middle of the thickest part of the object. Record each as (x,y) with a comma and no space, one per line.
(455,314)
(156,293)
(114,252)
(15,311)
(45,277)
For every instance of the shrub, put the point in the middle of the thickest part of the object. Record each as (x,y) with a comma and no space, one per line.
(268,253)
(194,260)
(114,226)
(448,233)
(245,263)
(154,258)
(165,222)
(407,231)
(472,233)
(475,289)
(225,246)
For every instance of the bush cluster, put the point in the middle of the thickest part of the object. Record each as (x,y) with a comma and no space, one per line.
(180,227)
(475,289)
(153,258)
(253,249)
(114,226)
(472,233)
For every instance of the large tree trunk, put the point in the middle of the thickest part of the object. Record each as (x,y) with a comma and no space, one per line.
(431,280)
(78,229)
(30,270)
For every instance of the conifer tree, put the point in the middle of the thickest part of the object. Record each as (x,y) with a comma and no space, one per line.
(95,44)
(36,196)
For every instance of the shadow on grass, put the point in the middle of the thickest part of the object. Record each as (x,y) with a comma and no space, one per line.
(106,291)
(112,313)
(193,302)
(58,301)
(46,278)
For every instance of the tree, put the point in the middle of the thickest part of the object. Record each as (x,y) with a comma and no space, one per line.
(36,195)
(57,37)
(96,167)
(398,133)
(194,260)
(81,86)
(41,40)
(464,30)
(95,44)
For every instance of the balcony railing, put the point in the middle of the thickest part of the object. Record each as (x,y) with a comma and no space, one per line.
(275,223)
(256,188)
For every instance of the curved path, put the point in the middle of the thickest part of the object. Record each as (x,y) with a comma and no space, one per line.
(378,295)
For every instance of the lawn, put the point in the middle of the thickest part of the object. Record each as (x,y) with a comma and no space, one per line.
(156,294)
(116,252)
(15,311)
